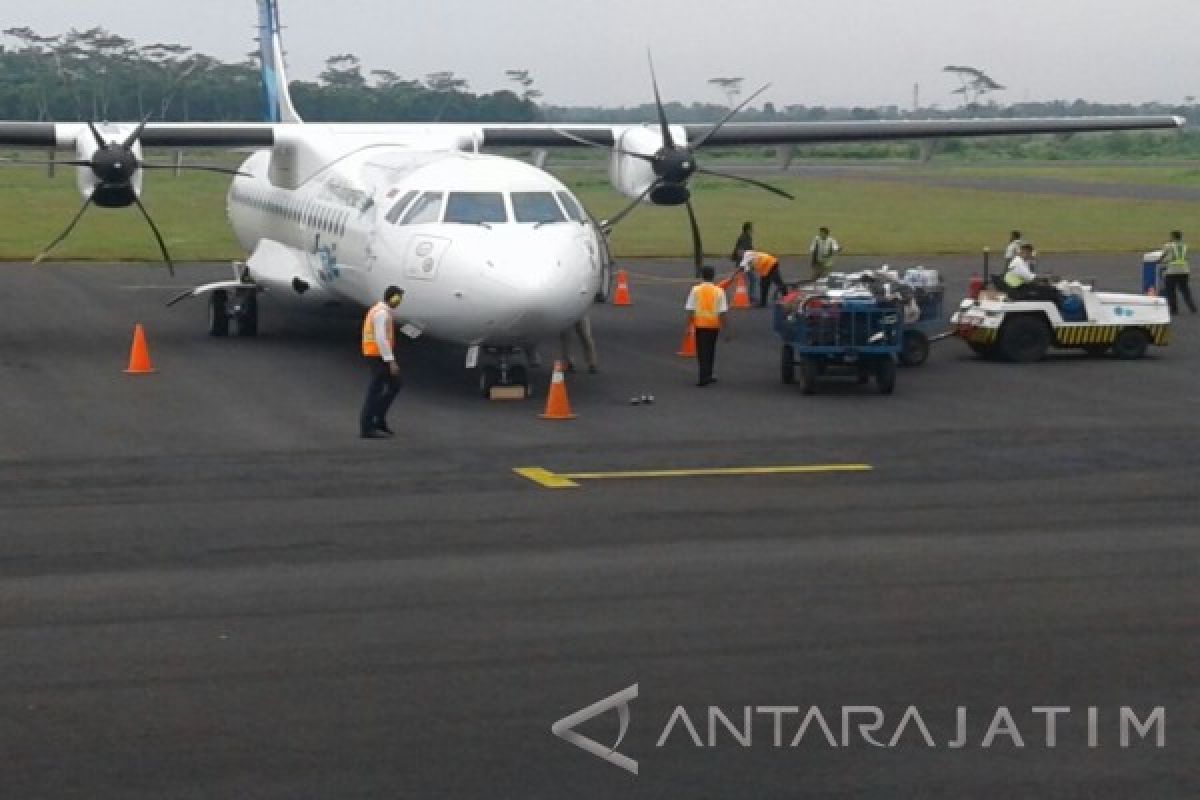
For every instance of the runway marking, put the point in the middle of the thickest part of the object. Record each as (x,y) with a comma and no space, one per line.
(568,480)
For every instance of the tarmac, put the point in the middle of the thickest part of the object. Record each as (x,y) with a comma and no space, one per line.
(210,587)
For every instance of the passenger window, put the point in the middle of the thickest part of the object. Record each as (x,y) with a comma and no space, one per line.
(401,204)
(536,207)
(572,208)
(427,208)
(473,208)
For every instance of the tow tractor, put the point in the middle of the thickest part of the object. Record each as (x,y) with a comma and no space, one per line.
(1064,315)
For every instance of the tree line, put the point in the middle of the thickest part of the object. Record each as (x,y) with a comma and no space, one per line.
(98,75)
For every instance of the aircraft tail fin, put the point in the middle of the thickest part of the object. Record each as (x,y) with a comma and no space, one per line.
(278,103)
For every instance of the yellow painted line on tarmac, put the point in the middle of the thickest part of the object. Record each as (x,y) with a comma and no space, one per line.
(568,480)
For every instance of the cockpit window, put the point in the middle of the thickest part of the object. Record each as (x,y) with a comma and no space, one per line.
(426,209)
(572,208)
(473,208)
(536,207)
(401,204)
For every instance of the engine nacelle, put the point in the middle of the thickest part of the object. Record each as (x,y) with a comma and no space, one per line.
(631,176)
(86,180)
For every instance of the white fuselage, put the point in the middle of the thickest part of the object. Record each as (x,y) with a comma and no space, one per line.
(489,250)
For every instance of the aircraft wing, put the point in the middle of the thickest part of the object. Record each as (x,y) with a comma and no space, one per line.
(62,135)
(825,132)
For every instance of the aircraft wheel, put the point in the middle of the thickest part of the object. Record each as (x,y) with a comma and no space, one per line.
(885,375)
(787,365)
(810,373)
(218,317)
(247,313)
(519,376)
(914,349)
(1024,339)
(1131,344)
(488,377)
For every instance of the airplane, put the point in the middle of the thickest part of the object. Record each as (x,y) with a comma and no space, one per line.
(494,254)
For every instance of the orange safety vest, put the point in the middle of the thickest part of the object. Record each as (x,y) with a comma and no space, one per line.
(764,263)
(369,346)
(705,314)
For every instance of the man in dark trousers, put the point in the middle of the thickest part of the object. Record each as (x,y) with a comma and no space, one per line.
(706,308)
(379,350)
(766,267)
(745,241)
(1177,273)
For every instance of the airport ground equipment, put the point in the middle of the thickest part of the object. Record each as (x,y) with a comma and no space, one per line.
(929,296)
(853,334)
(995,325)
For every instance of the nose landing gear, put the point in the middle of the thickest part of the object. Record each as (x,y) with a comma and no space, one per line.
(503,380)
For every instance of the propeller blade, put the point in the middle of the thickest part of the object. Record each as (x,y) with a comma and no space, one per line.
(13,162)
(697,245)
(750,181)
(158,236)
(729,116)
(590,143)
(96,135)
(610,223)
(200,168)
(137,133)
(662,112)
(46,250)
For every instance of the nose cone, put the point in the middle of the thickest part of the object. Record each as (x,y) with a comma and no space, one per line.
(541,278)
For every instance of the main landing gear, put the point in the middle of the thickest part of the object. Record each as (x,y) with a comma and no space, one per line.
(503,380)
(237,308)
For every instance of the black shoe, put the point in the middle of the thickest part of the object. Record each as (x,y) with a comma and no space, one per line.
(373,434)
(703,383)
(384,429)
(593,369)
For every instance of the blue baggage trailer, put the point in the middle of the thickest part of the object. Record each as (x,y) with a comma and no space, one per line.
(859,337)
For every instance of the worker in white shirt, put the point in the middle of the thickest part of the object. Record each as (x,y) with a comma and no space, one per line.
(766,267)
(379,350)
(707,312)
(822,251)
(1019,281)
(1020,268)
(1014,247)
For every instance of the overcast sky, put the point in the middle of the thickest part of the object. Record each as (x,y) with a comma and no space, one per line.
(813,52)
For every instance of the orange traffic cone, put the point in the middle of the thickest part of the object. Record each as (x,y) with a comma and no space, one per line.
(557,405)
(687,348)
(741,298)
(621,295)
(139,354)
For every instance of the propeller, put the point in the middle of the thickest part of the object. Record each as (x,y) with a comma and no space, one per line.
(674,165)
(114,163)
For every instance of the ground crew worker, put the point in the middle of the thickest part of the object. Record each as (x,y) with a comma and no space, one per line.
(745,241)
(379,350)
(1018,282)
(1178,272)
(1014,247)
(822,250)
(706,308)
(1020,270)
(583,329)
(766,267)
